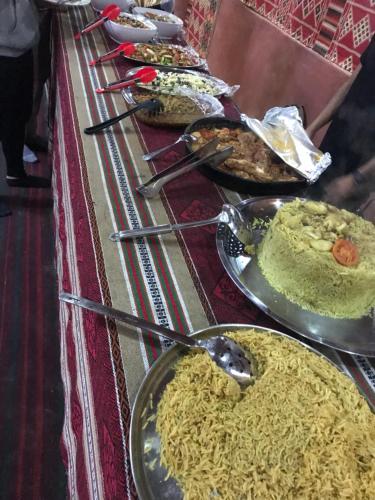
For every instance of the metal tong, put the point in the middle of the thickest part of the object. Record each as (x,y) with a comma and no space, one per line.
(207,153)
(109,13)
(143,75)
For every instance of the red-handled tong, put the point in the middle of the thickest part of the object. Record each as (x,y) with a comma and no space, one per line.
(109,13)
(126,48)
(144,75)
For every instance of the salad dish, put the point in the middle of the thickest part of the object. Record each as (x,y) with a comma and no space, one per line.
(164,54)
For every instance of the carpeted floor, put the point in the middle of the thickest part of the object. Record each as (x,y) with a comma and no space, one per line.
(31,395)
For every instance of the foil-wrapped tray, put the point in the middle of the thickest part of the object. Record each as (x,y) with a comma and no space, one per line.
(282,130)
(149,475)
(221,88)
(232,181)
(355,336)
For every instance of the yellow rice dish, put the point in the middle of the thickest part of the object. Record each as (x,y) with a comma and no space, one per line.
(302,431)
(321,258)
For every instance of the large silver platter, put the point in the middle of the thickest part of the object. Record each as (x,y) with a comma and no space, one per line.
(216,82)
(144,440)
(199,64)
(355,336)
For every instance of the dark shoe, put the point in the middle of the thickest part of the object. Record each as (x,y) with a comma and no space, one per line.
(28,181)
(37,143)
(4,209)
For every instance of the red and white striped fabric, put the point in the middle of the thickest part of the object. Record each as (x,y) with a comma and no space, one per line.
(177,281)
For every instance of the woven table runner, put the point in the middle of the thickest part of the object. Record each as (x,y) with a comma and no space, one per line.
(177,281)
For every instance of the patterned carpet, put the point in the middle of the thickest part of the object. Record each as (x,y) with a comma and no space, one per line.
(31,397)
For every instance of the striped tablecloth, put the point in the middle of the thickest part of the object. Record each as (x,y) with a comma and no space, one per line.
(177,281)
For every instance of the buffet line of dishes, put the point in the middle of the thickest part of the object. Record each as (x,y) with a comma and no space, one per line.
(302,430)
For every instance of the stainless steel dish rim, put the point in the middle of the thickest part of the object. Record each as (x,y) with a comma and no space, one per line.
(210,329)
(251,296)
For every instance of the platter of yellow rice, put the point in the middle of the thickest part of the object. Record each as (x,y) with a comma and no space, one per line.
(352,335)
(302,431)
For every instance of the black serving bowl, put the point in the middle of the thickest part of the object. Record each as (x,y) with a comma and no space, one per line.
(234,182)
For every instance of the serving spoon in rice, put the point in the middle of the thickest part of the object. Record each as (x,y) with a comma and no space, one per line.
(225,352)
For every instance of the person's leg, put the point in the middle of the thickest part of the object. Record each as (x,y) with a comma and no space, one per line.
(15,107)
(13,137)
(4,209)
(42,72)
(16,94)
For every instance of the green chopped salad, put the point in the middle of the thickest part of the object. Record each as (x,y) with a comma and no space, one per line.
(171,82)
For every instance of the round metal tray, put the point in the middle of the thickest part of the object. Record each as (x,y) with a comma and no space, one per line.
(234,182)
(159,65)
(144,441)
(355,336)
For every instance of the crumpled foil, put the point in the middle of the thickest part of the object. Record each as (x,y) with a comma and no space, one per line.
(282,130)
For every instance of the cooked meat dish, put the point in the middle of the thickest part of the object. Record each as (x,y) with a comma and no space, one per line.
(252,159)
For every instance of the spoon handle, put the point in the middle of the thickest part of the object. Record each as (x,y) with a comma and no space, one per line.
(129,319)
(112,121)
(152,189)
(162,229)
(157,152)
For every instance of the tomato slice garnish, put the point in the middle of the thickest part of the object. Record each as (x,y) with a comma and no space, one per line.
(345,252)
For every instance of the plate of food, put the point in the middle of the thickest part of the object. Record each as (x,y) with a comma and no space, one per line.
(311,267)
(195,434)
(167,23)
(253,168)
(164,54)
(170,81)
(177,110)
(130,28)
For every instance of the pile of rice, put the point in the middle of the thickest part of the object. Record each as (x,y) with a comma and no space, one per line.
(302,431)
(296,258)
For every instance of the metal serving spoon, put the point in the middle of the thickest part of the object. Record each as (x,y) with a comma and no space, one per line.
(226,353)
(183,138)
(232,230)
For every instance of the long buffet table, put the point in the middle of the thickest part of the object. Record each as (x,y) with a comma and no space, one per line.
(177,280)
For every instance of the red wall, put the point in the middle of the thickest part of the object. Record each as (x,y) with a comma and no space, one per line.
(272,68)
(180,8)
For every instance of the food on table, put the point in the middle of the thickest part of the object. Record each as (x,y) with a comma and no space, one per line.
(301,431)
(177,110)
(321,258)
(252,159)
(130,22)
(167,55)
(158,17)
(171,82)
